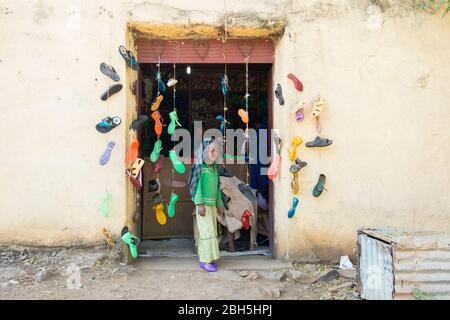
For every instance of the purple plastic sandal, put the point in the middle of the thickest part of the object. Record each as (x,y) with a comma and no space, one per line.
(208,267)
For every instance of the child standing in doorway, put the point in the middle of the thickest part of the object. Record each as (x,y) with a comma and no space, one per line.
(204,188)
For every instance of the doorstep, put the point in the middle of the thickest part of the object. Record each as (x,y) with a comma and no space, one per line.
(226,263)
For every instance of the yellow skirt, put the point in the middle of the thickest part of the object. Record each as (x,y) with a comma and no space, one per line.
(208,244)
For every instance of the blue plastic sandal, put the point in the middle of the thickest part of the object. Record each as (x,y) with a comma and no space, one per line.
(291,211)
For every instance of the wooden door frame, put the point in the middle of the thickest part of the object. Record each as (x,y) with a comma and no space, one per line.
(140,108)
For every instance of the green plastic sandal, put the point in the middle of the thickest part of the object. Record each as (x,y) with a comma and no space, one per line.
(173,123)
(177,163)
(156,151)
(131,240)
(171,207)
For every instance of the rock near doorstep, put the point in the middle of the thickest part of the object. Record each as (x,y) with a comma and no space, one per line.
(272,275)
(328,276)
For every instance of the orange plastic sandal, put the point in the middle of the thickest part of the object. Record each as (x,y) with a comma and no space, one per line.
(244,115)
(132,152)
(158,123)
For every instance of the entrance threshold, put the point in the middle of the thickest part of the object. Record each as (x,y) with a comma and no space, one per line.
(183,248)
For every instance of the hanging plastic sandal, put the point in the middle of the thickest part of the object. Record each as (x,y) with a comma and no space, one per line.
(178,165)
(104,207)
(296,142)
(108,237)
(131,240)
(273,169)
(157,102)
(112,90)
(138,122)
(223,123)
(132,152)
(172,82)
(136,182)
(107,124)
(173,123)
(320,186)
(155,155)
(293,208)
(158,123)
(109,71)
(294,182)
(171,206)
(104,159)
(279,94)
(128,57)
(297,83)
(224,85)
(159,164)
(297,165)
(318,106)
(245,220)
(161,85)
(244,115)
(136,167)
(159,213)
(319,142)
(153,186)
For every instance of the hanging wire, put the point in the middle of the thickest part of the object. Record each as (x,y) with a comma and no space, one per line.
(174,109)
(224,124)
(246,110)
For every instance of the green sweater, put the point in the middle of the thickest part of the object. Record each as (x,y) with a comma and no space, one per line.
(208,190)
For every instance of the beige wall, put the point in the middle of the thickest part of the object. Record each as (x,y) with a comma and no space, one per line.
(385,75)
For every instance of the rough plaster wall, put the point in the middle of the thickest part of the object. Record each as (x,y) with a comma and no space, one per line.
(386,77)
(383,70)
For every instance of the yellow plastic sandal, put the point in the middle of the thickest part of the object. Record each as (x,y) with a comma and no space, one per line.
(296,141)
(319,104)
(160,216)
(294,183)
(157,102)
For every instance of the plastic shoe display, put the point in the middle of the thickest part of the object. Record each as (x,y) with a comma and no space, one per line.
(109,71)
(128,57)
(296,142)
(157,102)
(112,90)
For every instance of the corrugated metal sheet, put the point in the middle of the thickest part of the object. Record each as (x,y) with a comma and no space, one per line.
(205,51)
(420,261)
(375,269)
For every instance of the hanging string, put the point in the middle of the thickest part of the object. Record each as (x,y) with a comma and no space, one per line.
(246,110)
(224,124)
(174,109)
(158,67)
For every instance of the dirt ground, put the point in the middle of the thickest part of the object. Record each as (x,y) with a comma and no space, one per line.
(97,274)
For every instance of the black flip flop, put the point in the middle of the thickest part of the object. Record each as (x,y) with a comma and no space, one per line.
(128,57)
(319,142)
(279,94)
(138,122)
(109,71)
(153,186)
(157,199)
(111,91)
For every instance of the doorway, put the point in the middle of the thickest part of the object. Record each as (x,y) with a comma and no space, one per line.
(198,97)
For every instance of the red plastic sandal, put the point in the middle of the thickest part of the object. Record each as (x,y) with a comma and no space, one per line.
(297,83)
